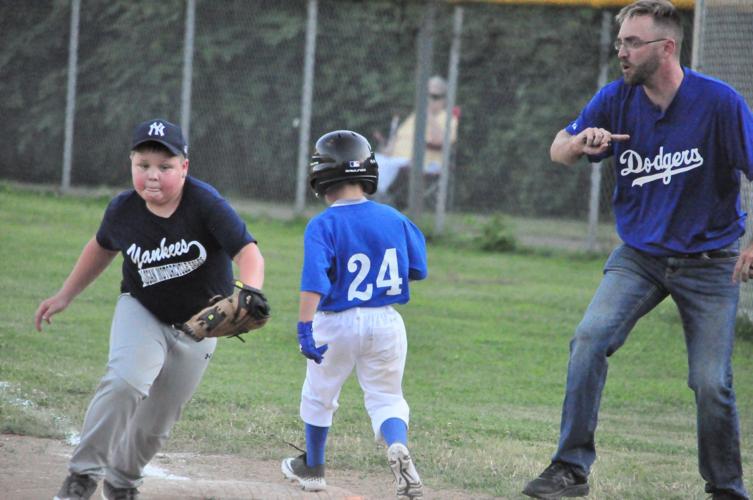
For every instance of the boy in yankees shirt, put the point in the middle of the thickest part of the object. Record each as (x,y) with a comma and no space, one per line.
(358,259)
(177,236)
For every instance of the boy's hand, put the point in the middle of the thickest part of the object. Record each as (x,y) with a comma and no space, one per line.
(47,308)
(307,345)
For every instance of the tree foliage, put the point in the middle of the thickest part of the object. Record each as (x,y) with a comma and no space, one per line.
(525,72)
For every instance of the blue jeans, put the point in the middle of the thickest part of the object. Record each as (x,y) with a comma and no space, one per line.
(633,284)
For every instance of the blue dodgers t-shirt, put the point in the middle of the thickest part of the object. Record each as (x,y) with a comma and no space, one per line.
(678,177)
(361,254)
(175,265)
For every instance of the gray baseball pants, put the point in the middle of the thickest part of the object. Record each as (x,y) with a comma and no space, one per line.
(152,371)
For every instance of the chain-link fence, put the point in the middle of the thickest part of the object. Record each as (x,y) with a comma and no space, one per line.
(524,72)
(724,44)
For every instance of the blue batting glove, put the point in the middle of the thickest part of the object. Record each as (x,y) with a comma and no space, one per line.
(307,345)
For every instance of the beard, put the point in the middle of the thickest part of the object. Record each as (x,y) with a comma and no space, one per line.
(642,72)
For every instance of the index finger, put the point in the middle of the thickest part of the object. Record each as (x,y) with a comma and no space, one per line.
(43,313)
(38,320)
(620,137)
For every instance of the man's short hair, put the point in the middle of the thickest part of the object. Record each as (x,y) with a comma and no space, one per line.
(664,13)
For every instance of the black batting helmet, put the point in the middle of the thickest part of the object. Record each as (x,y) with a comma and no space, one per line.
(342,156)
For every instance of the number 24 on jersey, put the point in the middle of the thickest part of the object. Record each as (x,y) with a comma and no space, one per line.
(387,277)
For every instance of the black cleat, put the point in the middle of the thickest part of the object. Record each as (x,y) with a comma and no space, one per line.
(76,487)
(110,492)
(310,478)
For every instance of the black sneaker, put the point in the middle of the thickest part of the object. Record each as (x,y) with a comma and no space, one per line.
(558,480)
(310,478)
(76,487)
(110,492)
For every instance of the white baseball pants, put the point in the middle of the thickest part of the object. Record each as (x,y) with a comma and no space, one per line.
(371,340)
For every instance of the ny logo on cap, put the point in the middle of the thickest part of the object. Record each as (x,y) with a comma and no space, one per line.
(157,128)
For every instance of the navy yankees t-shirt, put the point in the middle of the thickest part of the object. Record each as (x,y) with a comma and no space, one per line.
(174,265)
(361,254)
(678,177)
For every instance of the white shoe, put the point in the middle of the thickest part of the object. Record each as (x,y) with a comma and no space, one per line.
(310,478)
(409,485)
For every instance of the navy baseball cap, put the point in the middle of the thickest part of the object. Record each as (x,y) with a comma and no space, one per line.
(162,131)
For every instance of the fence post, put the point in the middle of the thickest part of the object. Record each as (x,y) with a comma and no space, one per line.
(188,41)
(304,131)
(70,100)
(424,50)
(593,206)
(444,173)
(696,61)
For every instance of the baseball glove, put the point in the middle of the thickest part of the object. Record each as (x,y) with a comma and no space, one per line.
(245,310)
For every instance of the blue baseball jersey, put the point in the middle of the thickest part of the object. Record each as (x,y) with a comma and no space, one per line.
(362,254)
(175,265)
(678,177)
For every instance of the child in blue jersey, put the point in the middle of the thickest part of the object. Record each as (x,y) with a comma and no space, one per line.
(681,141)
(177,236)
(359,257)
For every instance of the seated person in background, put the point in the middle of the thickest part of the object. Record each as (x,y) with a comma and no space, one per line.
(398,151)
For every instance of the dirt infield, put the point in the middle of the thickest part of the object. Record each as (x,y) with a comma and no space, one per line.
(33,469)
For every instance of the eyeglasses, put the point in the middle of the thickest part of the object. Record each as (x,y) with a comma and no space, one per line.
(436,96)
(634,43)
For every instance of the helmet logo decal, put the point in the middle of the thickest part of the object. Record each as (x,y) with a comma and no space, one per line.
(354,166)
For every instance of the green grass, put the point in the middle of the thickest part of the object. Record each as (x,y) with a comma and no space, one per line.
(488,347)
